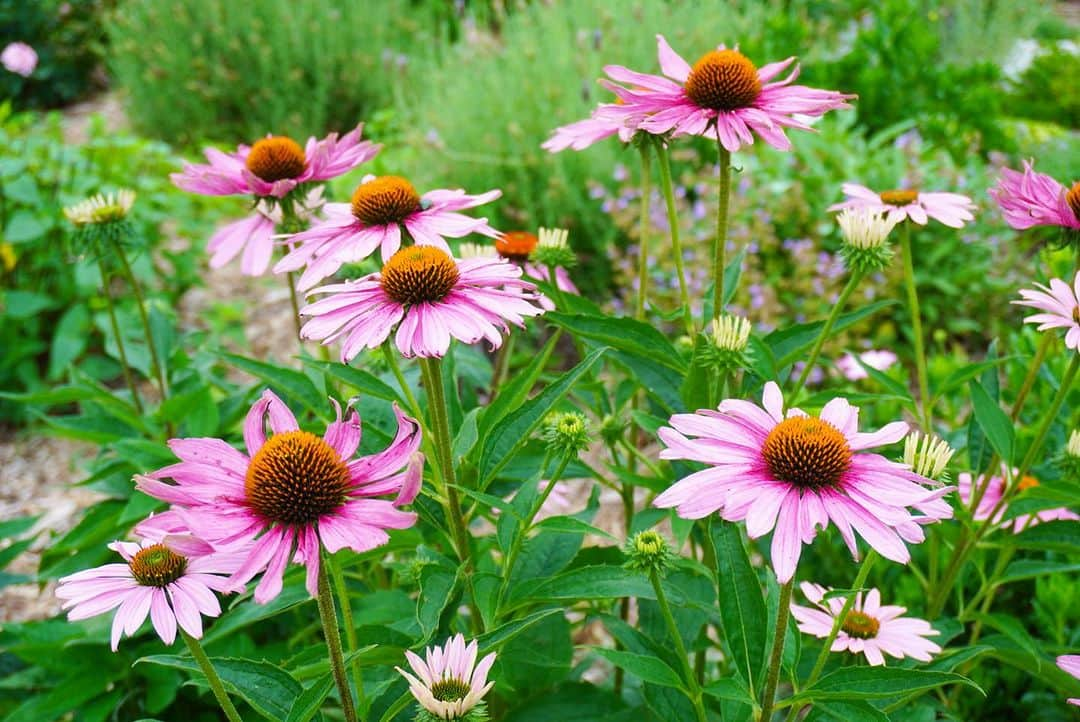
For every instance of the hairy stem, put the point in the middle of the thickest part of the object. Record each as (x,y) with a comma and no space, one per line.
(680,648)
(140,301)
(350,626)
(124,365)
(328,616)
(783,612)
(212,678)
(720,243)
(643,233)
(916,325)
(676,242)
(826,331)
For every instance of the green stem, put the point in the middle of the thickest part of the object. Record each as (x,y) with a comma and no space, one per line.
(720,243)
(502,364)
(328,616)
(212,678)
(826,330)
(676,243)
(560,298)
(643,233)
(783,612)
(295,302)
(124,365)
(136,290)
(1032,374)
(680,648)
(916,325)
(350,626)
(1048,419)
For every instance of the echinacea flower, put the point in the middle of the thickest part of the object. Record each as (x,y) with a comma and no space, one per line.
(583,133)
(449,683)
(382,209)
(19,58)
(293,492)
(927,455)
(101,208)
(951,209)
(1035,199)
(870,628)
(273,166)
(991,499)
(254,235)
(724,96)
(1061,305)
(796,473)
(430,297)
(1071,664)
(853,371)
(173,579)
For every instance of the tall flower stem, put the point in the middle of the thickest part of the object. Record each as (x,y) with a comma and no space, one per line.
(680,648)
(350,626)
(826,330)
(1048,419)
(720,243)
(124,365)
(643,233)
(136,290)
(673,225)
(294,300)
(212,678)
(916,325)
(328,616)
(291,223)
(783,612)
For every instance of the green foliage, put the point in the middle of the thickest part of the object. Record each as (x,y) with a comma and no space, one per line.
(1044,92)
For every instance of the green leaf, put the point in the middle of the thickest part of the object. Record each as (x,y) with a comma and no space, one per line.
(850,711)
(1031,568)
(1014,630)
(10,528)
(24,304)
(849,683)
(646,668)
(24,226)
(790,341)
(492,640)
(437,585)
(67,695)
(729,688)
(994,422)
(69,341)
(363,381)
(742,606)
(500,445)
(624,334)
(594,582)
(294,385)
(1061,535)
(310,700)
(967,372)
(570,525)
(269,689)
(515,391)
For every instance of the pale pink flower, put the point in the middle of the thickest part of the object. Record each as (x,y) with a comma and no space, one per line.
(583,133)
(797,473)
(878,360)
(449,682)
(292,492)
(19,58)
(870,628)
(254,235)
(382,208)
(1061,305)
(1035,199)
(991,497)
(1071,664)
(951,209)
(722,96)
(430,297)
(171,578)
(273,166)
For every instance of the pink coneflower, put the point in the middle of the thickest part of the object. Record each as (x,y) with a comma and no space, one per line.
(1071,664)
(796,472)
(951,209)
(173,579)
(869,628)
(878,360)
(382,208)
(275,165)
(1035,199)
(254,235)
(991,497)
(450,682)
(1061,305)
(723,90)
(430,297)
(19,58)
(583,133)
(292,492)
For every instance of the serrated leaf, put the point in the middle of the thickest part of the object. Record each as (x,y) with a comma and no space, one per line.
(645,668)
(294,385)
(994,422)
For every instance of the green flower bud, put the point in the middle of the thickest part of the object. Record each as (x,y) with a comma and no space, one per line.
(552,249)
(866,235)
(647,551)
(566,433)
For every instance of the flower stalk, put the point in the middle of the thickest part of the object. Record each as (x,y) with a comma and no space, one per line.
(673,227)
(347,620)
(124,365)
(783,613)
(212,678)
(826,330)
(680,648)
(328,616)
(720,243)
(140,301)
(916,325)
(643,233)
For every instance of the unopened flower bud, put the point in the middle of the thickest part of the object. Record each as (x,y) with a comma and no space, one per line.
(552,249)
(612,429)
(1069,462)
(477,250)
(566,433)
(866,235)
(927,455)
(647,551)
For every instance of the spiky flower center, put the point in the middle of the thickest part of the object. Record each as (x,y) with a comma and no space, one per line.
(419,274)
(157,566)
(860,625)
(276,158)
(900,197)
(1027,482)
(516,246)
(807,452)
(723,80)
(450,689)
(1073,199)
(384,200)
(295,478)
